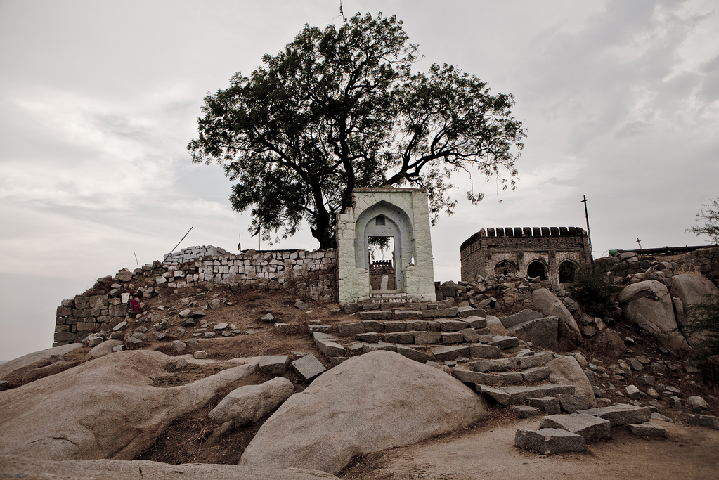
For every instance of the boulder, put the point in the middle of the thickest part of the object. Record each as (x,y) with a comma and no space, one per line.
(251,403)
(542,332)
(566,370)
(106,408)
(691,289)
(648,305)
(609,342)
(103,349)
(16,367)
(549,304)
(369,403)
(33,468)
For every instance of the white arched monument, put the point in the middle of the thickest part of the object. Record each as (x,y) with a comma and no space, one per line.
(397,218)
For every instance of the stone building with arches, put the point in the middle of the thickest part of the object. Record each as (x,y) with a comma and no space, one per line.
(550,253)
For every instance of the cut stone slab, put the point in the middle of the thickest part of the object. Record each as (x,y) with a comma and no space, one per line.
(252,403)
(573,403)
(450,352)
(549,441)
(480,350)
(412,354)
(549,405)
(520,317)
(621,414)
(524,411)
(319,328)
(376,315)
(648,429)
(427,338)
(398,337)
(369,403)
(534,360)
(469,335)
(327,344)
(379,346)
(451,325)
(395,326)
(308,367)
(478,323)
(467,312)
(349,329)
(273,365)
(451,338)
(450,312)
(707,421)
(407,314)
(588,426)
(369,337)
(372,326)
(536,374)
(417,325)
(493,365)
(519,395)
(504,342)
(542,332)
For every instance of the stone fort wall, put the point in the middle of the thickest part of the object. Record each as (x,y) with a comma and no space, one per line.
(308,274)
(515,250)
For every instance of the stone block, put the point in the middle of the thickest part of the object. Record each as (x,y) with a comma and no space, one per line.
(573,403)
(647,429)
(376,315)
(319,328)
(621,414)
(535,360)
(451,325)
(470,335)
(452,337)
(327,344)
(549,441)
(395,326)
(373,326)
(524,411)
(477,323)
(588,426)
(427,338)
(504,342)
(369,337)
(450,352)
(308,367)
(349,329)
(412,354)
(493,365)
(283,328)
(417,325)
(273,365)
(479,350)
(407,314)
(519,395)
(398,337)
(440,313)
(549,405)
(536,374)
(707,421)
(371,347)
(465,312)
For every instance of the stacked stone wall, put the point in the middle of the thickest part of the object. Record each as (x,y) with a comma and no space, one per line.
(308,274)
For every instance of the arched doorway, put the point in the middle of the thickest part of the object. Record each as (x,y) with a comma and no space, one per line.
(537,269)
(505,267)
(567,270)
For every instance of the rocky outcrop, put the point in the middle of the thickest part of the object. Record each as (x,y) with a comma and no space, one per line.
(33,468)
(376,401)
(566,370)
(37,364)
(106,408)
(549,304)
(251,403)
(690,289)
(648,305)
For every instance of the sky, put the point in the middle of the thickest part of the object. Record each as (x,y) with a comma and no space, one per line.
(98,100)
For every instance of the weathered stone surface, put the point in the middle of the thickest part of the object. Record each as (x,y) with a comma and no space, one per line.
(251,403)
(452,337)
(417,325)
(504,342)
(103,349)
(349,329)
(379,346)
(610,342)
(566,370)
(524,411)
(520,317)
(478,323)
(451,325)
(308,367)
(373,326)
(450,352)
(691,288)
(395,326)
(647,429)
(106,408)
(441,313)
(34,360)
(471,312)
(621,414)
(369,403)
(543,332)
(696,401)
(549,441)
(550,305)
(398,337)
(648,305)
(427,338)
(479,350)
(518,395)
(34,468)
(549,405)
(369,337)
(327,344)
(573,403)
(493,365)
(376,315)
(273,364)
(412,354)
(588,426)
(407,314)
(536,374)
(707,421)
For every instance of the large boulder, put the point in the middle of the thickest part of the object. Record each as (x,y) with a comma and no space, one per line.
(566,370)
(106,408)
(251,403)
(376,401)
(648,305)
(550,305)
(691,289)
(34,468)
(16,369)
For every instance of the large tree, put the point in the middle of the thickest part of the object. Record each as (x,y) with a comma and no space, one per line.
(341,108)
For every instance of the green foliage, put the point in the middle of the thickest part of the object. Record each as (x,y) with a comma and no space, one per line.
(703,320)
(340,109)
(593,289)
(708,222)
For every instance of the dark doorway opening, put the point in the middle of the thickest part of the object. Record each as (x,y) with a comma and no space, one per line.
(536,269)
(382,268)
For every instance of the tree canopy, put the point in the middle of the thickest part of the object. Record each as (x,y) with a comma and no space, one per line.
(341,108)
(708,221)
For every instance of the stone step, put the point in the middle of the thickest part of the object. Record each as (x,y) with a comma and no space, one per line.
(549,441)
(621,414)
(512,363)
(590,427)
(531,375)
(519,395)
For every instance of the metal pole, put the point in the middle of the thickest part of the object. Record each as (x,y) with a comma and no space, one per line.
(589,232)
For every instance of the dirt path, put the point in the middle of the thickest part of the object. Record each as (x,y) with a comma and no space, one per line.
(489,453)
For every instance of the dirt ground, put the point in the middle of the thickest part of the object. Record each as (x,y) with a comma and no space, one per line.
(488,452)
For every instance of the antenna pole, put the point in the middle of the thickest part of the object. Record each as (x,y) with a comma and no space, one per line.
(589,232)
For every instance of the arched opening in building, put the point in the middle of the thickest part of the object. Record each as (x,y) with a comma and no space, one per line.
(537,269)
(567,270)
(382,265)
(505,267)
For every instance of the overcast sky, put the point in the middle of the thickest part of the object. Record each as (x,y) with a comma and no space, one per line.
(98,100)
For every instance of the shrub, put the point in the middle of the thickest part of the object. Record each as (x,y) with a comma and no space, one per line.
(593,289)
